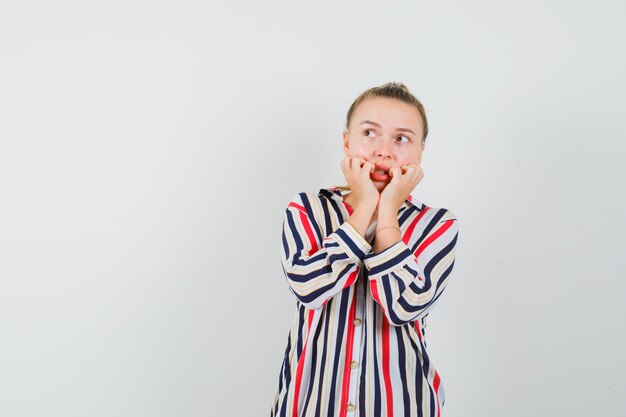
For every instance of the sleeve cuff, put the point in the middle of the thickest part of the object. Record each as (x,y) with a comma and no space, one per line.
(383,262)
(352,242)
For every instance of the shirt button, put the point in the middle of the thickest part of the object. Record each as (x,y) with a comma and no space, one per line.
(350,407)
(357,322)
(354,364)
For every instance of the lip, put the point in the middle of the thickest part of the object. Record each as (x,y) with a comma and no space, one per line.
(381,166)
(380,177)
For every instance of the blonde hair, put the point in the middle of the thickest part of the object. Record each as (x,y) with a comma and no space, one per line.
(395,90)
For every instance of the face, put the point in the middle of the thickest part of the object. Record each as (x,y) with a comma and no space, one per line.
(387,133)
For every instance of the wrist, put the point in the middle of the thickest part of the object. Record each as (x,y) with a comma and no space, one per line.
(387,207)
(389,229)
(386,236)
(366,206)
(387,216)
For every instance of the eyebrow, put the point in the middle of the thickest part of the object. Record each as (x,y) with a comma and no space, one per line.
(399,129)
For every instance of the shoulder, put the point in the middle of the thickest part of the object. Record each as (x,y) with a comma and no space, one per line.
(446,223)
(442,214)
(429,215)
(446,214)
(311,201)
(313,213)
(430,227)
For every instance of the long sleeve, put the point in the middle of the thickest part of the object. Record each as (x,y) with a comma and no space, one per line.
(408,283)
(318,267)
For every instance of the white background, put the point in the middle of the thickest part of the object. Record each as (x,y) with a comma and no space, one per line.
(148,150)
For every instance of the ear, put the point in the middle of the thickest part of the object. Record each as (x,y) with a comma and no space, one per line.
(346,143)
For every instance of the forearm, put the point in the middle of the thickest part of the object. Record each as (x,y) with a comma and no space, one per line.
(361,217)
(407,281)
(390,235)
(318,267)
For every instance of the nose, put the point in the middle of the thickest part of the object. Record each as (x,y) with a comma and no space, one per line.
(384,148)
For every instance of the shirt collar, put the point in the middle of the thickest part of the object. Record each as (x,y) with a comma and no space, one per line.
(338,193)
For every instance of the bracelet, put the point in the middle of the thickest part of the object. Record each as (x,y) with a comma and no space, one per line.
(389,227)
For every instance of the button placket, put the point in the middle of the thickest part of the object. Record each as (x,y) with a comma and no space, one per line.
(356,348)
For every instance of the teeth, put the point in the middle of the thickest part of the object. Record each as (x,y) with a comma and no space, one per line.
(380,171)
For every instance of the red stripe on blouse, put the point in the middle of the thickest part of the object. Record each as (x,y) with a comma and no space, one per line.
(433,237)
(409,230)
(346,368)
(436,386)
(296,394)
(386,374)
(351,278)
(417,329)
(307,227)
(298,206)
(374,291)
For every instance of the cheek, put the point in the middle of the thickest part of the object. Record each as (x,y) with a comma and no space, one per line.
(409,157)
(359,151)
(406,160)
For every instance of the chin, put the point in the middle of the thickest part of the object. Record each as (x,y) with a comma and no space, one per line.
(380,186)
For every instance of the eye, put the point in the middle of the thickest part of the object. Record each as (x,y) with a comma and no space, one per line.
(366,132)
(406,137)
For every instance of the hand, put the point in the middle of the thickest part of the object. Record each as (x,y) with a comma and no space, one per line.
(403,180)
(357,172)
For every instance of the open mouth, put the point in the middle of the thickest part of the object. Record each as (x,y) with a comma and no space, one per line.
(380,173)
(381,169)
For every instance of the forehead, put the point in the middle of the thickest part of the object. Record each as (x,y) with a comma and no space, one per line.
(387,112)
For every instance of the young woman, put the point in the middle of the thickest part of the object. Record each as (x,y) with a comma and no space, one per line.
(367,262)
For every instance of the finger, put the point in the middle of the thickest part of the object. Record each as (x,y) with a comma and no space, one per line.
(361,163)
(351,162)
(345,163)
(346,167)
(412,169)
(401,170)
(395,173)
(362,166)
(355,163)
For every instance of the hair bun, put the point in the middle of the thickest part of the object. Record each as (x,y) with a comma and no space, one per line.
(399,84)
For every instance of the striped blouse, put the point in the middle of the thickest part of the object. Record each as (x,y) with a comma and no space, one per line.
(357,343)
